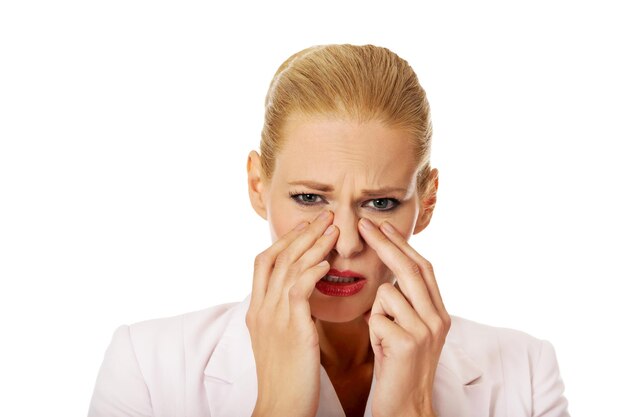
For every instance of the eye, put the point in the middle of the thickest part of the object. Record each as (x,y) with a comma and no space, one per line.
(305,199)
(309,199)
(383,204)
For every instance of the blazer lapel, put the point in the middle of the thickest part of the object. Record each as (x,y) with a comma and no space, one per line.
(460,388)
(230,379)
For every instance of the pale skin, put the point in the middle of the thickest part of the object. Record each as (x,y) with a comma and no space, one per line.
(395,331)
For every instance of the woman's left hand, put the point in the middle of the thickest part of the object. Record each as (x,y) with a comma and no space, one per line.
(406,346)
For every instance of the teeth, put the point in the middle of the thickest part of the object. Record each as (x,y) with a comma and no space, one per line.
(331,278)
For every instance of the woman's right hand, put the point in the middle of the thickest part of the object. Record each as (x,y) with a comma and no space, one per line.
(284,337)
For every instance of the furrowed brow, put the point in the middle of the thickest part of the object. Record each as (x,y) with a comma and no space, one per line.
(369,193)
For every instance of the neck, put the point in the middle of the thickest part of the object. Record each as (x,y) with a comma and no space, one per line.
(344,346)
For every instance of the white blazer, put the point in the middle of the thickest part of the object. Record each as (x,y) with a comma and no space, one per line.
(201,364)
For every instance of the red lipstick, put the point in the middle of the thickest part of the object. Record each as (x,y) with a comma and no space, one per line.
(330,286)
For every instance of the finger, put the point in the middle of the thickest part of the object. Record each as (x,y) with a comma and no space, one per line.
(425,266)
(404,268)
(316,253)
(384,334)
(264,262)
(301,290)
(390,301)
(293,252)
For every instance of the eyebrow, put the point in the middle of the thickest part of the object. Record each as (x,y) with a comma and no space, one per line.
(329,188)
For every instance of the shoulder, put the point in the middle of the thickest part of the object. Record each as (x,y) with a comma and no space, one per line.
(177,345)
(514,349)
(211,318)
(524,366)
(149,364)
(479,337)
(193,333)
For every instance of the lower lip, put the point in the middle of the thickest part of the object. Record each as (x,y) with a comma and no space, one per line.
(339,289)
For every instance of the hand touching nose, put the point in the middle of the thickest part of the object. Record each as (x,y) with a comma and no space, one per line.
(284,338)
(408,327)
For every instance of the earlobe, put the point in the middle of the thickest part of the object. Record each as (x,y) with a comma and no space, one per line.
(255,184)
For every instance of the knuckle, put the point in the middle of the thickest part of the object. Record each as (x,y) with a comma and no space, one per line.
(385,288)
(429,266)
(282,259)
(261,260)
(438,328)
(295,293)
(426,338)
(252,320)
(295,267)
(406,345)
(414,269)
(447,321)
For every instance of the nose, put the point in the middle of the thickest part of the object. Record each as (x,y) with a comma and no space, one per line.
(349,243)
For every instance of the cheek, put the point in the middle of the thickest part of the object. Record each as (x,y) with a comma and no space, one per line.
(283,218)
(280,225)
(404,225)
(406,222)
(406,230)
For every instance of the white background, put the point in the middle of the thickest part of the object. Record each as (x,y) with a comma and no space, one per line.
(124,131)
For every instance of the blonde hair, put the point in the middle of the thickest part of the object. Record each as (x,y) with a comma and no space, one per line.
(363,83)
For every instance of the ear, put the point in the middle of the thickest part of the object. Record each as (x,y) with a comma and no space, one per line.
(256,186)
(427,202)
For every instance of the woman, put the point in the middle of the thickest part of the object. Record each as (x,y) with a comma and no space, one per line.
(344,317)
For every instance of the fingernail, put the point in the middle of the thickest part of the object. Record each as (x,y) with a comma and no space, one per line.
(322,264)
(301,226)
(330,229)
(368,225)
(388,228)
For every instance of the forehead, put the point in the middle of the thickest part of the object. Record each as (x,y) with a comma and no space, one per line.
(325,149)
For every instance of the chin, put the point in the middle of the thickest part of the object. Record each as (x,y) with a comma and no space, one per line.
(338,309)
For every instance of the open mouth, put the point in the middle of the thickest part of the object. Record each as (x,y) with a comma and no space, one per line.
(341,280)
(341,283)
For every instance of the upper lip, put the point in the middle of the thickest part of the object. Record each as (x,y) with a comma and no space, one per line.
(344,274)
